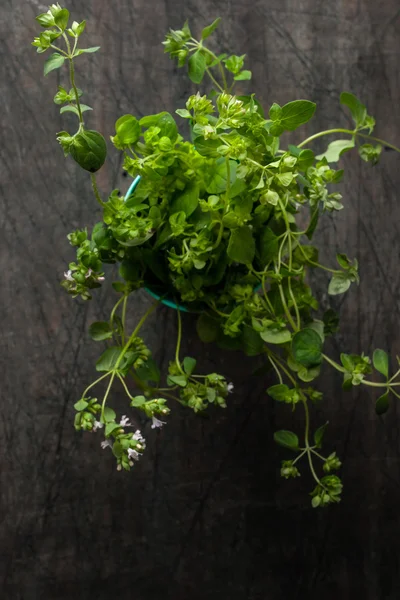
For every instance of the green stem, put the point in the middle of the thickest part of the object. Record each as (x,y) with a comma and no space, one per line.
(286,308)
(124,350)
(317,454)
(96,190)
(276,368)
(59,50)
(178,342)
(299,456)
(125,387)
(321,133)
(375,139)
(349,132)
(94,383)
(124,317)
(336,366)
(220,67)
(315,264)
(106,394)
(72,78)
(215,82)
(308,447)
(394,376)
(228,184)
(112,316)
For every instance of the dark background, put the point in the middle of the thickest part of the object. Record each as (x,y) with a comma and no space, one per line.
(204,515)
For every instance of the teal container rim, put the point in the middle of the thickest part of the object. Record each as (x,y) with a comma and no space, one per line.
(164,301)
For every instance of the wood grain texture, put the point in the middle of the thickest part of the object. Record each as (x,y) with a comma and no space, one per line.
(204,515)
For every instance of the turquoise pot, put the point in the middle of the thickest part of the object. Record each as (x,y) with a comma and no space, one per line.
(164,301)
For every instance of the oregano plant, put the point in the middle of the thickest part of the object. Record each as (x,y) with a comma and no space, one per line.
(210,226)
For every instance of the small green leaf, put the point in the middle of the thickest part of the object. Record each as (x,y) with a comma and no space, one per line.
(319,434)
(138,401)
(108,359)
(336,149)
(381,362)
(268,245)
(216,178)
(307,347)
(81,405)
(100,330)
(117,449)
(278,392)
(287,439)
(110,427)
(45,19)
(189,365)
(339,284)
(207,31)
(296,113)
(382,404)
(241,247)
(197,67)
(55,61)
(108,415)
(61,18)
(316,501)
(180,380)
(128,130)
(276,336)
(149,371)
(87,50)
(244,75)
(357,109)
(251,342)
(285,178)
(275,112)
(89,150)
(184,113)
(207,147)
(187,201)
(73,109)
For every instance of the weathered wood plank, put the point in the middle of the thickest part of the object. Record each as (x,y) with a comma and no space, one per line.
(205,514)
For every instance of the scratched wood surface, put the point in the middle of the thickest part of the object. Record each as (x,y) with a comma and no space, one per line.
(205,514)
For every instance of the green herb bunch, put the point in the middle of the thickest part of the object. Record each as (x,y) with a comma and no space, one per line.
(213,227)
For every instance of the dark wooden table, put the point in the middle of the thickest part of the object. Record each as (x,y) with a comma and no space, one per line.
(205,515)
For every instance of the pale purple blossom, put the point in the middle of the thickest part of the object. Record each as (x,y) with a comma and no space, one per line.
(230,387)
(133,454)
(97,425)
(138,437)
(89,272)
(68,275)
(157,423)
(105,444)
(100,278)
(124,422)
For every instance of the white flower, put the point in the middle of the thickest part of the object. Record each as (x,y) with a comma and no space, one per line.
(124,422)
(100,278)
(230,387)
(89,272)
(105,444)
(138,436)
(133,454)
(157,423)
(68,276)
(97,425)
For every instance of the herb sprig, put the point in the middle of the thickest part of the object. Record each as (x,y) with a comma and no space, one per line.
(213,226)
